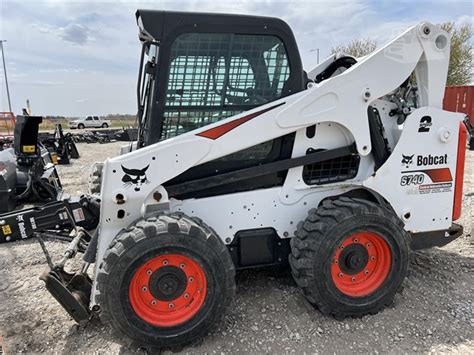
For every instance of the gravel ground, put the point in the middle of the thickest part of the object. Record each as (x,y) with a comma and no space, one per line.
(434,313)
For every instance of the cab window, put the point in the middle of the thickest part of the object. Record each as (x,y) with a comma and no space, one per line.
(213,76)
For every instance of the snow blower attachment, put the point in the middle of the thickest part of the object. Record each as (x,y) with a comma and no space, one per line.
(28,176)
(244,160)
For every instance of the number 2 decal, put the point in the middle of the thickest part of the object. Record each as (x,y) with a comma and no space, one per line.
(425,124)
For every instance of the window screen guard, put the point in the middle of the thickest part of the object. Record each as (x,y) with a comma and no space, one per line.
(213,76)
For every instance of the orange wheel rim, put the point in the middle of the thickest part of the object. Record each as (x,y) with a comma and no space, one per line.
(361,264)
(168,290)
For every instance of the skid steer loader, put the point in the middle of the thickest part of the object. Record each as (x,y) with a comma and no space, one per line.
(245,160)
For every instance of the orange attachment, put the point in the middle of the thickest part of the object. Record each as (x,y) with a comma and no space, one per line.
(168,290)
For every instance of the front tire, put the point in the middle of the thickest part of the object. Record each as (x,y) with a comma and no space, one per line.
(350,257)
(166,281)
(80,126)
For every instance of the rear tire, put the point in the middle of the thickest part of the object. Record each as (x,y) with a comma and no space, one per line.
(166,281)
(80,126)
(350,257)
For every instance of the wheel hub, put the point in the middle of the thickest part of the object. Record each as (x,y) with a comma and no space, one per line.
(353,259)
(168,290)
(361,264)
(167,283)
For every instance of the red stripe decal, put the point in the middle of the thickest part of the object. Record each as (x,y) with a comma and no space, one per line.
(439,175)
(219,131)
(457,205)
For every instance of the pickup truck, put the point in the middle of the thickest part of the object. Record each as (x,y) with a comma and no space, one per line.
(89,122)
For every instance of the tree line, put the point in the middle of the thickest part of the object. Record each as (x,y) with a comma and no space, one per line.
(460,61)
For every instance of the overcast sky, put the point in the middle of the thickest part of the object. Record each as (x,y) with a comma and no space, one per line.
(75,58)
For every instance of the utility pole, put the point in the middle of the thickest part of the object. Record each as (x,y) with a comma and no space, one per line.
(5,71)
(317,53)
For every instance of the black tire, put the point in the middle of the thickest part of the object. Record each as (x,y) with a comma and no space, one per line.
(80,126)
(158,237)
(95,178)
(319,243)
(105,125)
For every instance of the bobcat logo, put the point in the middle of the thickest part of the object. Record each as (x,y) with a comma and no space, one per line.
(407,159)
(136,177)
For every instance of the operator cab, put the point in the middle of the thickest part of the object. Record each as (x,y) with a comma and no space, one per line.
(197,69)
(200,68)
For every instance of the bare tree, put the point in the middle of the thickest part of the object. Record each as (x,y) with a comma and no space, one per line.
(460,60)
(356,48)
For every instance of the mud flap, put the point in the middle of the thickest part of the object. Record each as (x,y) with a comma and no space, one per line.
(72,291)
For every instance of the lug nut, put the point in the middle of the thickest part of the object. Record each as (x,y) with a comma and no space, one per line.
(366,272)
(356,240)
(340,274)
(368,245)
(144,289)
(341,247)
(182,265)
(191,279)
(149,272)
(153,302)
(353,279)
(372,258)
(170,305)
(186,295)
(336,261)
(165,262)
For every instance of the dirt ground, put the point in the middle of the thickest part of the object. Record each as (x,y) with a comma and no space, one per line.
(434,313)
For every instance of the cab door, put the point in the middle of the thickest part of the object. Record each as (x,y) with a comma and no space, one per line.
(89,122)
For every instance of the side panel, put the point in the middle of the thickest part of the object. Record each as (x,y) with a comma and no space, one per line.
(229,214)
(418,178)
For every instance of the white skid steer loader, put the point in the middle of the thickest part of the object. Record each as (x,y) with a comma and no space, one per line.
(245,160)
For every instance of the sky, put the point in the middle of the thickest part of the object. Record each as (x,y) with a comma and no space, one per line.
(73,58)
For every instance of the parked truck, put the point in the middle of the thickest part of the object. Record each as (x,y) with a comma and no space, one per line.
(89,122)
